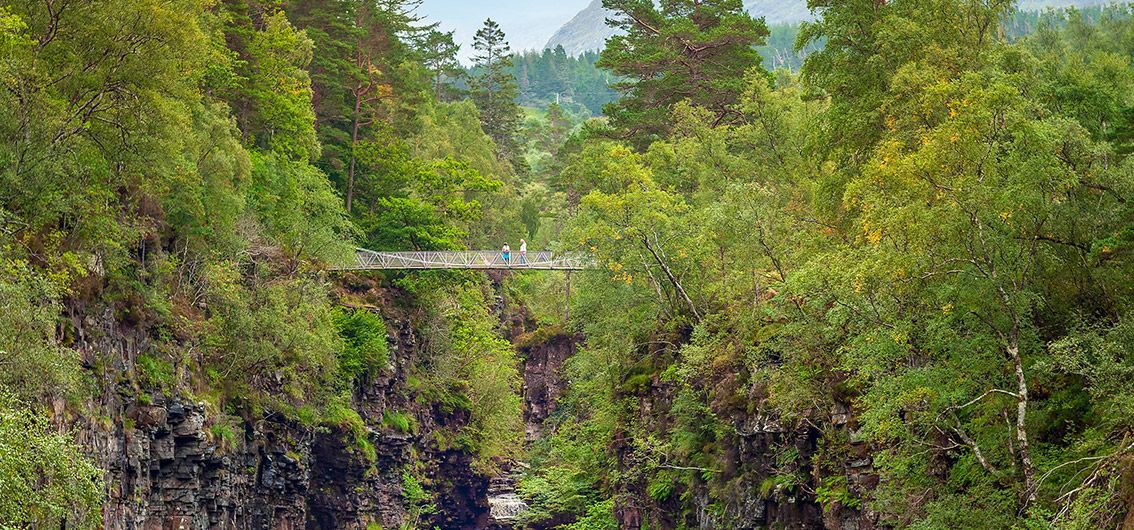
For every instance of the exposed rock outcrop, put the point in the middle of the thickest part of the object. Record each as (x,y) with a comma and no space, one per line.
(544,380)
(170,466)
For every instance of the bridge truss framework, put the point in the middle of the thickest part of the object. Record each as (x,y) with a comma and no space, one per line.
(469,259)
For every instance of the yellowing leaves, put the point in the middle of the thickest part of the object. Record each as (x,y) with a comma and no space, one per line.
(873,235)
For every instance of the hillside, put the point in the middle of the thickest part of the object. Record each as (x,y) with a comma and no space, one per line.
(588,30)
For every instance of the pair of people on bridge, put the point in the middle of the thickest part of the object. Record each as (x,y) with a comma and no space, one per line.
(506,253)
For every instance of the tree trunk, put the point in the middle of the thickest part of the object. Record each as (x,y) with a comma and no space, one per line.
(353,143)
(1022,421)
(672,279)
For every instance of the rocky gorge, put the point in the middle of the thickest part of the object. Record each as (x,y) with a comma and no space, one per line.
(173,464)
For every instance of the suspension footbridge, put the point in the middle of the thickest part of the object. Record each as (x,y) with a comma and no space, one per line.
(469,259)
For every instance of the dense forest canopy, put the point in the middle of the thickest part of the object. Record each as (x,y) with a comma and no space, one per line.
(903,270)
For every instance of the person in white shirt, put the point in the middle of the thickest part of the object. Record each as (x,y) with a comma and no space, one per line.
(523,252)
(506,253)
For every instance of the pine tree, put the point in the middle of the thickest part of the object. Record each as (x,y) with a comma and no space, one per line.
(494,90)
(439,54)
(683,49)
(558,127)
(358,74)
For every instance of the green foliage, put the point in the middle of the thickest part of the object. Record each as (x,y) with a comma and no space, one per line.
(931,227)
(340,415)
(161,164)
(494,89)
(660,488)
(74,155)
(834,491)
(156,373)
(364,76)
(280,90)
(418,500)
(299,210)
(44,479)
(556,490)
(366,350)
(598,516)
(399,421)
(452,131)
(34,364)
(225,434)
(470,367)
(417,204)
(921,244)
(551,76)
(439,54)
(275,339)
(572,463)
(675,51)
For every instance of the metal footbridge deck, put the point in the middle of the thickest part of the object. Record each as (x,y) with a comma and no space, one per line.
(469,259)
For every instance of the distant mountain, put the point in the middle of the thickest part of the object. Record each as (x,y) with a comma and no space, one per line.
(588,30)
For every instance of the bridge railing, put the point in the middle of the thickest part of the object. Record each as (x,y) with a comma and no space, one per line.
(470,259)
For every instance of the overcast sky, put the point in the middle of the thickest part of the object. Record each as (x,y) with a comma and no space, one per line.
(527,23)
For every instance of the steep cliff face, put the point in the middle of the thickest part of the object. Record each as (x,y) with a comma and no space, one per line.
(733,464)
(763,472)
(544,380)
(169,467)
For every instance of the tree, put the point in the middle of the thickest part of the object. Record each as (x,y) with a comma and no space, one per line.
(866,43)
(45,482)
(360,73)
(684,49)
(93,105)
(551,76)
(494,91)
(280,90)
(439,53)
(633,227)
(558,127)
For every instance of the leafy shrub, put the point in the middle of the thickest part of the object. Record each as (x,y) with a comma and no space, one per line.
(660,486)
(366,349)
(300,209)
(342,416)
(471,367)
(155,372)
(32,361)
(599,516)
(45,482)
(225,434)
(274,339)
(834,490)
(419,501)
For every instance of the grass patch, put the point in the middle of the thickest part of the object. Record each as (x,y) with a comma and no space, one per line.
(399,421)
